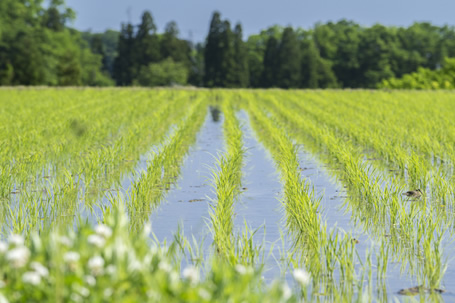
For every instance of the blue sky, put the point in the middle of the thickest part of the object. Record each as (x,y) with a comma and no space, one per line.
(193,16)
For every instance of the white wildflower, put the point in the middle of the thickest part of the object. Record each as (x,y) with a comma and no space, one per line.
(18,256)
(31,277)
(174,277)
(286,291)
(96,265)
(134,265)
(204,294)
(17,240)
(164,266)
(153,295)
(191,273)
(3,299)
(111,269)
(71,257)
(103,230)
(147,229)
(108,292)
(90,280)
(3,247)
(96,240)
(2,284)
(75,298)
(40,269)
(301,276)
(84,291)
(65,241)
(240,269)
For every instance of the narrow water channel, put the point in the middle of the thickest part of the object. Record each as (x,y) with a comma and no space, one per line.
(259,205)
(187,202)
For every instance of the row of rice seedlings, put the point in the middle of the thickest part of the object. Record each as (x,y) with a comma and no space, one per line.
(103,165)
(163,169)
(421,121)
(47,132)
(418,168)
(388,134)
(227,181)
(110,263)
(364,130)
(384,206)
(323,253)
(39,142)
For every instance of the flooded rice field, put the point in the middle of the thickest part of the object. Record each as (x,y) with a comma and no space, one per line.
(291,193)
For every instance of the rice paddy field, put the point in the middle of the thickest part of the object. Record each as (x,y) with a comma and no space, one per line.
(174,195)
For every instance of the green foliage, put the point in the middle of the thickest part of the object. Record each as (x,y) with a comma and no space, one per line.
(288,72)
(220,55)
(424,78)
(270,68)
(240,57)
(174,48)
(37,48)
(164,73)
(73,147)
(124,65)
(109,263)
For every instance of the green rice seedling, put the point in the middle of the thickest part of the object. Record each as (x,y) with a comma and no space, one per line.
(97,169)
(163,169)
(405,229)
(321,252)
(227,184)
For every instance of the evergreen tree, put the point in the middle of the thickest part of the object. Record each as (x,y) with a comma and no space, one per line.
(213,53)
(97,47)
(69,70)
(241,59)
(269,73)
(146,44)
(310,62)
(228,63)
(26,59)
(196,72)
(124,62)
(289,60)
(174,48)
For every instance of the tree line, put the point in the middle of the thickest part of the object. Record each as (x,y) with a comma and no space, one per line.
(37,47)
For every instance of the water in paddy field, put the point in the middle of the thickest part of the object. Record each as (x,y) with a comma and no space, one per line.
(187,203)
(334,213)
(259,205)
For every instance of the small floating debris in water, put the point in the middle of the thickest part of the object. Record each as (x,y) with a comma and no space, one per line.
(15,192)
(196,200)
(355,241)
(244,188)
(417,289)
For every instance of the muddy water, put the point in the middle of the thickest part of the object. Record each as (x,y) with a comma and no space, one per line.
(187,203)
(259,204)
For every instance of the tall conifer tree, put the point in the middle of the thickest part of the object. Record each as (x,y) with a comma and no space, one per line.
(310,61)
(124,64)
(146,44)
(289,60)
(269,73)
(241,58)
(212,53)
(228,64)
